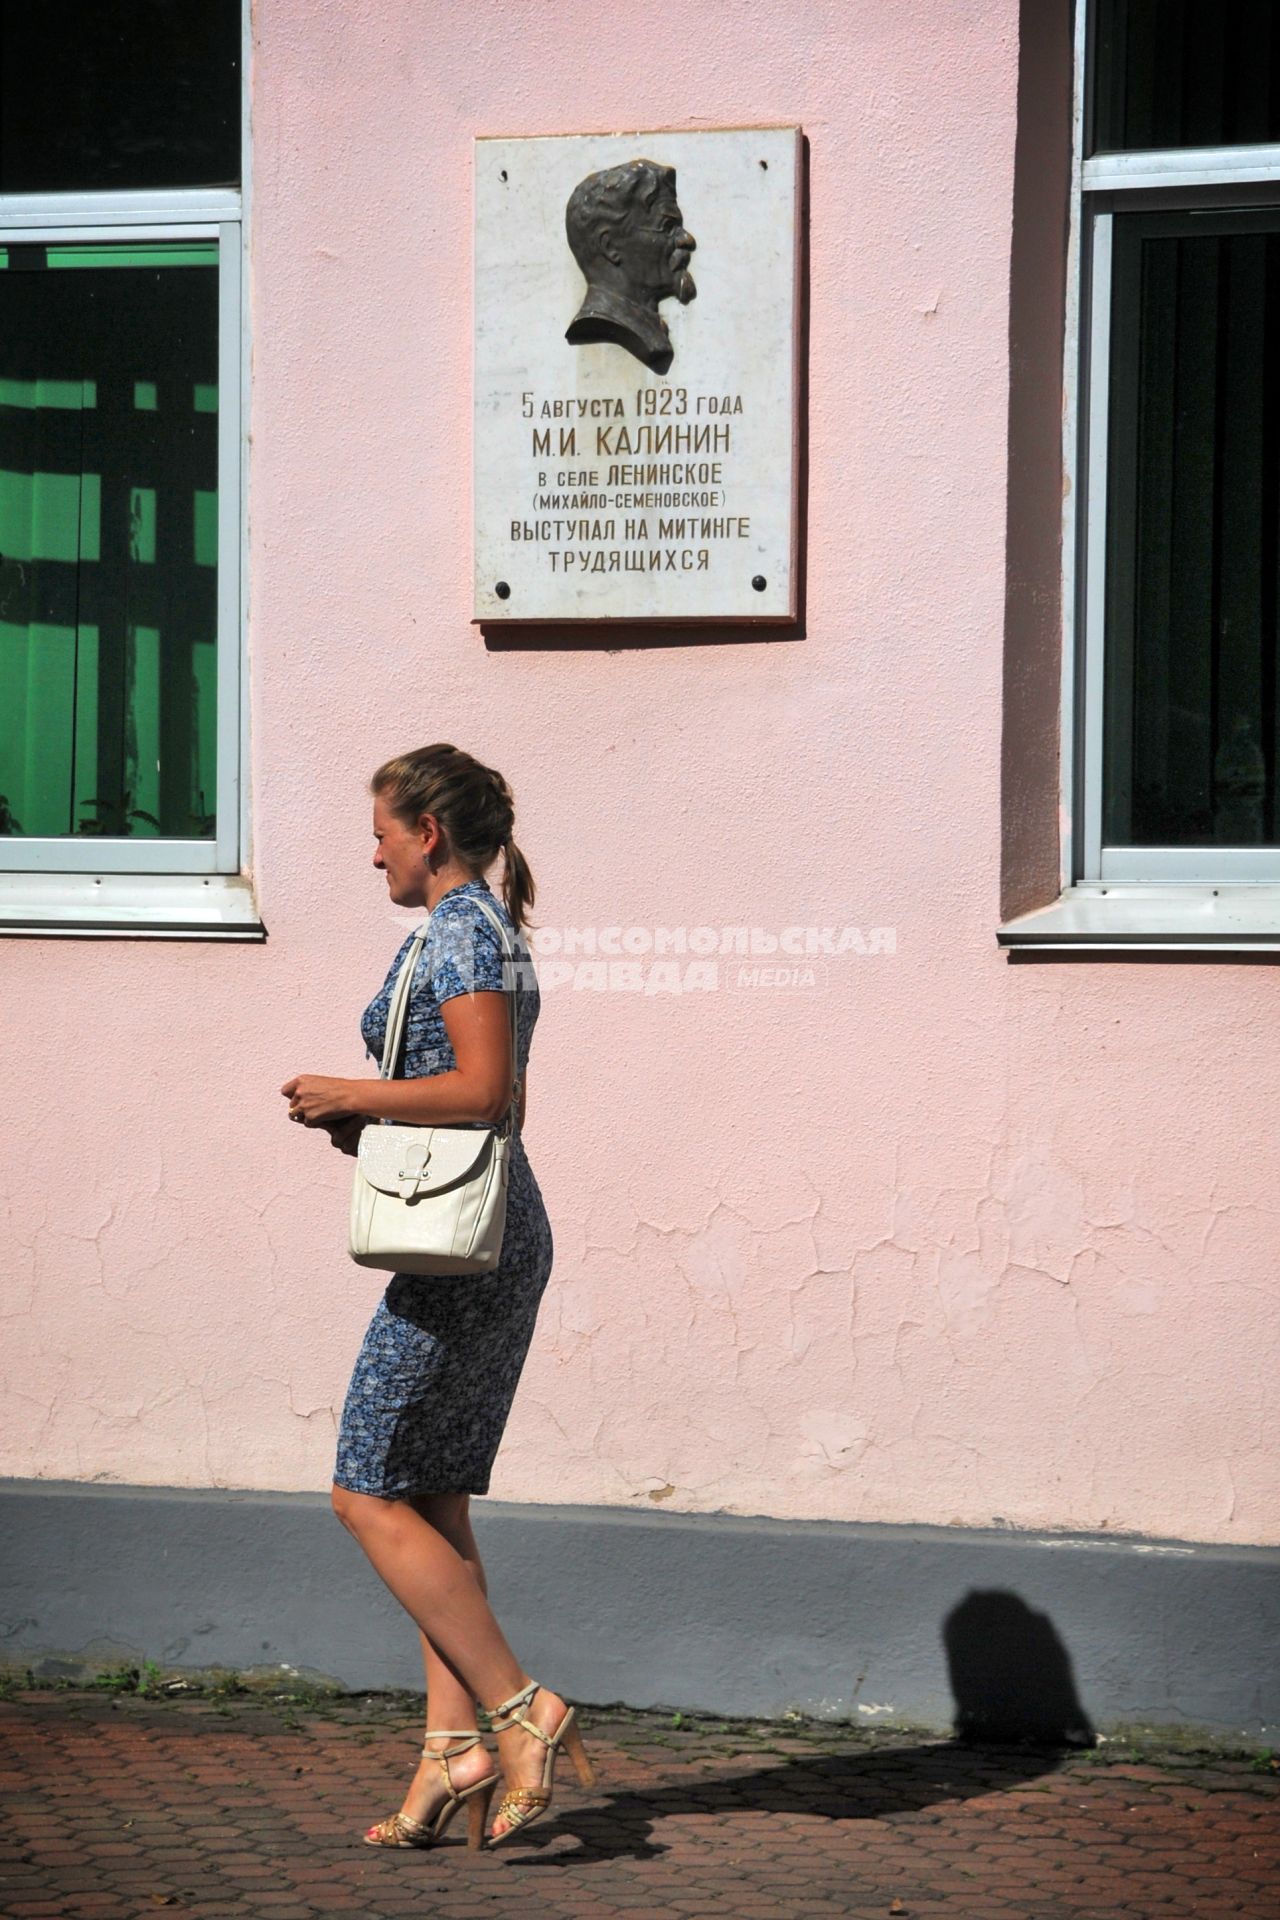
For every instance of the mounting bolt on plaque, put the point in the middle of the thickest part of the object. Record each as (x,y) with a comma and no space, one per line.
(502,590)
(759,583)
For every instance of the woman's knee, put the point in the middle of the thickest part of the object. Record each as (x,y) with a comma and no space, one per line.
(357,1511)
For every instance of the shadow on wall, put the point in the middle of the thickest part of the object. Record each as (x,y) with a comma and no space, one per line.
(1011,1674)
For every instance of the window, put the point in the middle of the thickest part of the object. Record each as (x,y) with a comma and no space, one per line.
(1186,736)
(121,517)
(1171,705)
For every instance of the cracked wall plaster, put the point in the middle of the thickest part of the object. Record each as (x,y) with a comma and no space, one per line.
(941,1241)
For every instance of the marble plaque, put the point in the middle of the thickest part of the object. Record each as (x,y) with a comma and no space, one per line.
(635,376)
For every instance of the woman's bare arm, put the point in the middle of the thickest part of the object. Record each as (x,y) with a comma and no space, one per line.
(478,1087)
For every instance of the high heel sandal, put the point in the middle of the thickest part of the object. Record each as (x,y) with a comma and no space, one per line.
(521,1806)
(402,1830)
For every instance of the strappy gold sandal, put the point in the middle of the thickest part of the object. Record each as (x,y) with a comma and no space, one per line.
(521,1806)
(402,1830)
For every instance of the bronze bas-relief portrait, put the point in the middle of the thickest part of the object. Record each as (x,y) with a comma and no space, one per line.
(627,234)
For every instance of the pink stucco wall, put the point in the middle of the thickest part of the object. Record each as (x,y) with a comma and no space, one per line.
(939,1239)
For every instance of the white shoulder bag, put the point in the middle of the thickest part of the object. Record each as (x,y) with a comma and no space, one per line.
(432,1199)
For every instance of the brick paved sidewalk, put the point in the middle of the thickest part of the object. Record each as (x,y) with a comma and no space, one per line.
(119,1807)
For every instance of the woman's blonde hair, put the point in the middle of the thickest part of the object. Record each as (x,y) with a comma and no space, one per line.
(473,804)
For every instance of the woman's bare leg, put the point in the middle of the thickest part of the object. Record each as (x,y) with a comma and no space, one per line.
(439,1591)
(436,1588)
(447,1691)
(449,1701)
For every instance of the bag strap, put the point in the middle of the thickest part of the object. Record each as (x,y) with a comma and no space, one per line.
(398,1011)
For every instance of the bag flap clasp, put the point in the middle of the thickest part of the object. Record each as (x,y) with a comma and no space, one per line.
(415,1161)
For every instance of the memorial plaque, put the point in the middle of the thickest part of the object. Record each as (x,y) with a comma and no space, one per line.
(635,376)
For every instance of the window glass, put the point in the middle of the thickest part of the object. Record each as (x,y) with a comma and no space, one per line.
(103,94)
(1190,707)
(1186,73)
(108,539)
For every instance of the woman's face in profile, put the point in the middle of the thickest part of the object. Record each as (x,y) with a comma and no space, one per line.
(398,853)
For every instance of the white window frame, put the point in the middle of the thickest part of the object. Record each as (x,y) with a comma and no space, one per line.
(163,888)
(1175,899)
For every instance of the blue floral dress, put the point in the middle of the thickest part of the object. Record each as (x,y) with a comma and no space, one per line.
(437,1372)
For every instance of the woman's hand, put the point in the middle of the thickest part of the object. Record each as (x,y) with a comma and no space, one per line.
(316,1100)
(345,1134)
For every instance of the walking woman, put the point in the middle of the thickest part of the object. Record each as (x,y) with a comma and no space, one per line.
(435,1377)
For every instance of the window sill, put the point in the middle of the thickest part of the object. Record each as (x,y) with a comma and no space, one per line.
(130,906)
(1138,917)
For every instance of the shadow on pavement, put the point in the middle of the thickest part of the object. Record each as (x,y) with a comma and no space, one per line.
(1018,1715)
(860,1786)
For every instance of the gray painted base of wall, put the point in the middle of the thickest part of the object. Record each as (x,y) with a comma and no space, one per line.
(930,1627)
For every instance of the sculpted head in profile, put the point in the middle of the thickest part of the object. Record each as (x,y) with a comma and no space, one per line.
(627,234)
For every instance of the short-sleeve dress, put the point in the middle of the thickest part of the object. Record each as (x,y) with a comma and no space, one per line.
(436,1374)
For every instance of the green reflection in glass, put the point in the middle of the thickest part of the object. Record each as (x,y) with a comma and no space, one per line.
(142,525)
(108,540)
(39,515)
(167,255)
(85,780)
(90,516)
(206,529)
(37,671)
(70,395)
(142,727)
